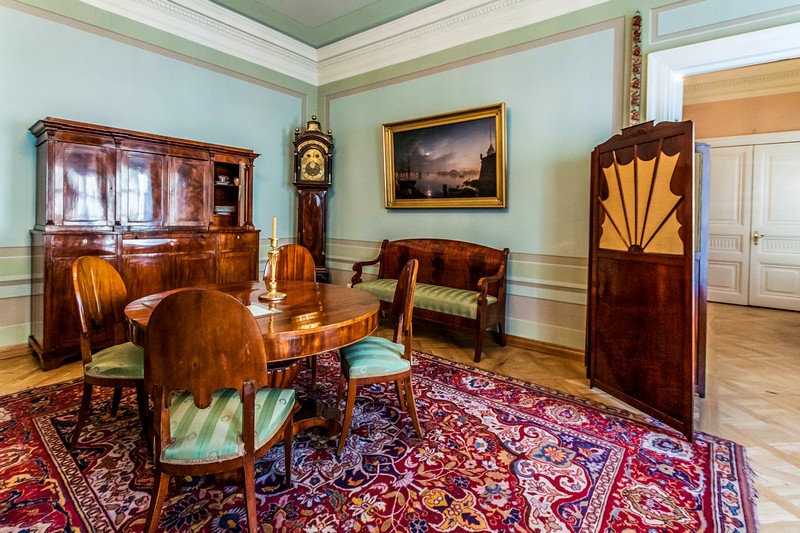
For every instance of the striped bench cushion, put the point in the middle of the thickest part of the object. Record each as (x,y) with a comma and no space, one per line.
(214,434)
(458,302)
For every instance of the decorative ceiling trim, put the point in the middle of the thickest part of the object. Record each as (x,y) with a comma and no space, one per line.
(439,27)
(767,84)
(436,28)
(210,25)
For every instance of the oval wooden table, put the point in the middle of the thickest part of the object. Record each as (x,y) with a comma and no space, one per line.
(313,318)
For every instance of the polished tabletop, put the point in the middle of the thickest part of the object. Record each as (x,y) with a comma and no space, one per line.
(313,318)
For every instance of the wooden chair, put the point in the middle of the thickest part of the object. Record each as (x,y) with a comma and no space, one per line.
(102,296)
(378,360)
(206,367)
(295,263)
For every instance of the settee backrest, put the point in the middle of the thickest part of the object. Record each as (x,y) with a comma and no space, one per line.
(443,262)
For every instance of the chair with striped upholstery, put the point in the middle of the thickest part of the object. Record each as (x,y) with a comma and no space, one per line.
(102,296)
(206,368)
(378,360)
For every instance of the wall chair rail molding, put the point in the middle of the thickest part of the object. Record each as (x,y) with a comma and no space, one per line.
(546,295)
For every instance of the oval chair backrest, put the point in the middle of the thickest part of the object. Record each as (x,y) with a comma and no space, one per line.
(403,302)
(100,293)
(201,341)
(295,263)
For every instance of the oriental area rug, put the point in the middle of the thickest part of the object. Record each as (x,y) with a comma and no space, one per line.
(498,454)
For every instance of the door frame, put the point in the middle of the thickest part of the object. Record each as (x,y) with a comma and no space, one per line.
(666,68)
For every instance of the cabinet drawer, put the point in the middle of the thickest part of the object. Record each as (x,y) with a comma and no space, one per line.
(237,241)
(202,242)
(78,245)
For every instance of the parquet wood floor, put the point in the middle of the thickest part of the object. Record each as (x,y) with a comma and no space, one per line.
(752,397)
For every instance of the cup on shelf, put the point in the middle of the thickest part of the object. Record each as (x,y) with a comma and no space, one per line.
(222,179)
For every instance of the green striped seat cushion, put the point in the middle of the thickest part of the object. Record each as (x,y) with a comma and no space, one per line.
(124,361)
(214,434)
(458,302)
(373,357)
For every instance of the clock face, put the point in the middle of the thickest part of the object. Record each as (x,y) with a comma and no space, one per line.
(312,165)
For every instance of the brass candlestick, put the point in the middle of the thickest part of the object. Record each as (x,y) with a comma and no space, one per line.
(272,256)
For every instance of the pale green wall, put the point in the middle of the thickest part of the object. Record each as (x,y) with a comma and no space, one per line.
(48,68)
(76,75)
(560,103)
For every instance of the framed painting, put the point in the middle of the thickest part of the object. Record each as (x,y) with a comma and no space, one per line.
(452,160)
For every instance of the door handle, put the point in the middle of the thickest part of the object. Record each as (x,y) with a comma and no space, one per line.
(756,237)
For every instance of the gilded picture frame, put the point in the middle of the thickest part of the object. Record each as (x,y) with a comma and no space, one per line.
(451,160)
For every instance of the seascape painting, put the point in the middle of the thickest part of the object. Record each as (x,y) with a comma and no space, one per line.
(452,160)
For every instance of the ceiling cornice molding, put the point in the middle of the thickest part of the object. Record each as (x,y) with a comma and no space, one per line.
(210,25)
(436,28)
(444,25)
(774,78)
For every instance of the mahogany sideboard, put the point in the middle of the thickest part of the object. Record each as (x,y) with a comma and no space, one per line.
(166,212)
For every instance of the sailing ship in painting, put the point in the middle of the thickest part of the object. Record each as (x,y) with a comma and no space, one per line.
(443,166)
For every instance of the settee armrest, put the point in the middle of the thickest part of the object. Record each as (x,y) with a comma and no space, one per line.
(357,267)
(485,283)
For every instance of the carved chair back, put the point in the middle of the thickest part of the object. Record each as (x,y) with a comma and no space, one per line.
(201,341)
(295,263)
(101,296)
(403,305)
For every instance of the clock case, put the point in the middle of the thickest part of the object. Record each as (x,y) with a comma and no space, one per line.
(312,195)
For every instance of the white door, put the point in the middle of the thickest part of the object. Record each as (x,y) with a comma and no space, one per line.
(775,242)
(729,224)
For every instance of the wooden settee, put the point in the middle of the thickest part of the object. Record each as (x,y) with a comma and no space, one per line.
(458,283)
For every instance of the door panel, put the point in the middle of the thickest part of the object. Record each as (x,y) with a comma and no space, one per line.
(775,263)
(140,183)
(188,201)
(641,328)
(193,269)
(145,274)
(729,224)
(84,175)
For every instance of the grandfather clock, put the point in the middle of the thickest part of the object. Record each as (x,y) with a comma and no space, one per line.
(312,177)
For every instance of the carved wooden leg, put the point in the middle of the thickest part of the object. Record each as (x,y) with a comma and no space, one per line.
(478,346)
(115,400)
(287,446)
(83,414)
(160,486)
(348,414)
(501,334)
(144,417)
(400,393)
(340,390)
(312,361)
(412,407)
(250,492)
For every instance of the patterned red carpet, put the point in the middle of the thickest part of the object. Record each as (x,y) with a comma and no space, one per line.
(498,455)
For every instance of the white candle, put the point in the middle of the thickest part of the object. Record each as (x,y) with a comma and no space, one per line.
(274,226)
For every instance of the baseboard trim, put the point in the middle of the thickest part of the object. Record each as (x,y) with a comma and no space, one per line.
(14,350)
(546,347)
